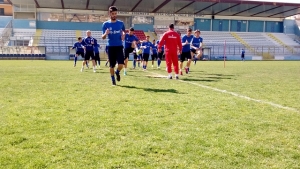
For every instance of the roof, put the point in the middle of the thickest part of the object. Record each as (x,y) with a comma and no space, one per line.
(249,8)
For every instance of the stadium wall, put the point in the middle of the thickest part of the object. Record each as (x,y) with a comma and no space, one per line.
(4,20)
(144,27)
(238,26)
(272,26)
(289,26)
(24,24)
(220,25)
(203,24)
(256,26)
(69,25)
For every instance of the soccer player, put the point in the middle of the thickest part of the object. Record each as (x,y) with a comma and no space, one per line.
(146,45)
(79,50)
(97,54)
(130,40)
(139,52)
(115,30)
(186,51)
(160,55)
(89,43)
(196,46)
(172,42)
(243,55)
(154,52)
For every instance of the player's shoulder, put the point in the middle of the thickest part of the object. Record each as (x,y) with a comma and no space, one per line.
(119,22)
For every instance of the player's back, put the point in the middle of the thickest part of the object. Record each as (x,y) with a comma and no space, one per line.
(172,40)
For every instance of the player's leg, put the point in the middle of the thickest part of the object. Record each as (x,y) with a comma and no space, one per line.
(75,59)
(126,60)
(152,58)
(146,58)
(169,66)
(112,63)
(182,58)
(92,55)
(120,60)
(134,60)
(189,60)
(175,64)
(85,60)
(97,56)
(159,58)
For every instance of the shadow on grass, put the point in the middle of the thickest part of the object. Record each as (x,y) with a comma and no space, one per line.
(218,74)
(151,89)
(218,77)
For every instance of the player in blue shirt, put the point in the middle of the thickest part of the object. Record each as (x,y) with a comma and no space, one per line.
(154,52)
(89,44)
(196,46)
(79,50)
(186,50)
(243,55)
(160,55)
(146,45)
(115,30)
(130,45)
(138,52)
(97,54)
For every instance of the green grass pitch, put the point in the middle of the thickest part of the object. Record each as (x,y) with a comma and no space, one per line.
(246,115)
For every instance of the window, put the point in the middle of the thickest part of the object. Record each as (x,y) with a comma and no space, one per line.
(1,11)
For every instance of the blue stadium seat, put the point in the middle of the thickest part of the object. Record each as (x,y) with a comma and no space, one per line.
(43,55)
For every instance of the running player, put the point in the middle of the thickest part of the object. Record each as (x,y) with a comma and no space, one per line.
(146,45)
(79,50)
(196,46)
(97,54)
(139,52)
(130,40)
(186,50)
(89,42)
(154,52)
(172,42)
(115,30)
(160,55)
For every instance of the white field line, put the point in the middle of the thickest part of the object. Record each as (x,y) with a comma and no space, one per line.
(236,95)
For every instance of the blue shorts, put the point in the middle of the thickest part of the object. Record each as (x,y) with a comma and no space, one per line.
(115,54)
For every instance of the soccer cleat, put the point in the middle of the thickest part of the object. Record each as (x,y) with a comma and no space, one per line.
(125,73)
(181,73)
(186,70)
(94,70)
(118,76)
(74,65)
(152,65)
(81,70)
(114,83)
(158,67)
(177,78)
(169,77)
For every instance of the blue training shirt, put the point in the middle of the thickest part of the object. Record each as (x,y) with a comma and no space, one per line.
(115,34)
(196,42)
(162,48)
(186,48)
(78,46)
(129,39)
(147,44)
(87,43)
(154,49)
(96,48)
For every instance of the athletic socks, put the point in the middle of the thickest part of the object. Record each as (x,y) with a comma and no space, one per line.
(75,60)
(106,63)
(139,64)
(134,63)
(117,72)
(158,62)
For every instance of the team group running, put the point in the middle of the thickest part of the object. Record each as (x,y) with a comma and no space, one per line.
(120,44)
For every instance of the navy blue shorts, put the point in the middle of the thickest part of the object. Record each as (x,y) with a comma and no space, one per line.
(115,54)
(79,53)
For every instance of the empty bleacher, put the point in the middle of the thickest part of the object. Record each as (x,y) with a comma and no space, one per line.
(22,52)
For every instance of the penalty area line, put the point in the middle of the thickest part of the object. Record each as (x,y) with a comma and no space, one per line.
(236,95)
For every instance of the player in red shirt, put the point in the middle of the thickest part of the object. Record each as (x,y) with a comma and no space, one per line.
(172,42)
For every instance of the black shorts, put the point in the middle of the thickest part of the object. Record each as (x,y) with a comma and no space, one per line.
(127,51)
(161,54)
(184,55)
(243,56)
(146,57)
(88,55)
(97,56)
(80,53)
(115,54)
(154,56)
(135,56)
(193,50)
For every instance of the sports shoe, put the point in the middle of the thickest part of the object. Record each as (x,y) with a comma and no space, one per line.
(186,70)
(169,77)
(152,65)
(181,73)
(94,70)
(114,83)
(125,73)
(158,67)
(118,76)
(177,78)
(81,70)
(74,65)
